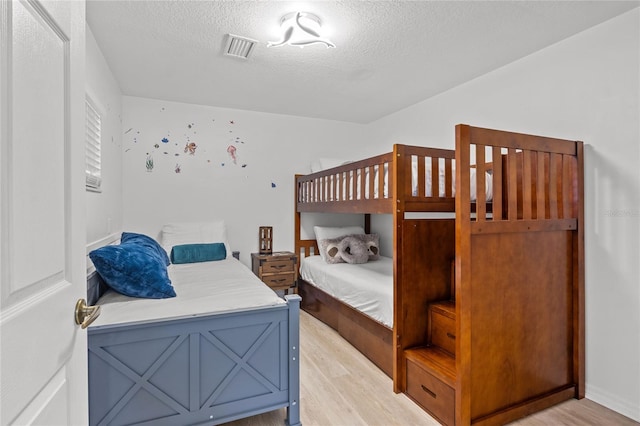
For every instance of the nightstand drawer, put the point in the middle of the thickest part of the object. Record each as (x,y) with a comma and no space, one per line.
(432,394)
(279,280)
(277,266)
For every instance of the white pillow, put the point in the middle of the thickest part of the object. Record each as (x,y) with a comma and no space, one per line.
(327,163)
(329,232)
(316,166)
(177,233)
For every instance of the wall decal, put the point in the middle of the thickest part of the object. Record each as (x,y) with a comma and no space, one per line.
(190,147)
(232,153)
(175,140)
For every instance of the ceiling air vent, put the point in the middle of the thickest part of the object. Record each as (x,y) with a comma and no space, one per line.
(239,47)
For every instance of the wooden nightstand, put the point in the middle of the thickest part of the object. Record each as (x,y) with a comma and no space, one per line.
(277,270)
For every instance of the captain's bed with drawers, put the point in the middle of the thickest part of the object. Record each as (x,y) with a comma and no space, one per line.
(477,317)
(223,348)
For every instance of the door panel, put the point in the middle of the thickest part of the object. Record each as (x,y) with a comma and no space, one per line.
(38,61)
(42,248)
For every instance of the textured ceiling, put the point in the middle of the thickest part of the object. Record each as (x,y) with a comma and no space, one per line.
(389,54)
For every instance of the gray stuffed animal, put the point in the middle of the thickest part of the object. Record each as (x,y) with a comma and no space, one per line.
(353,250)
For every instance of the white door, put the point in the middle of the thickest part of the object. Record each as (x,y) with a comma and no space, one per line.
(42,232)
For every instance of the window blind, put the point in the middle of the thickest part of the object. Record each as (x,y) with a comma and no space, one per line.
(92,147)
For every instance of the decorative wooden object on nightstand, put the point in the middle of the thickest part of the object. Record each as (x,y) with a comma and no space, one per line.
(278,270)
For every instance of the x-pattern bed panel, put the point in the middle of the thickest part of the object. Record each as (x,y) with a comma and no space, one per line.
(198,370)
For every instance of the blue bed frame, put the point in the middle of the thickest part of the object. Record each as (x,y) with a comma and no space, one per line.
(194,371)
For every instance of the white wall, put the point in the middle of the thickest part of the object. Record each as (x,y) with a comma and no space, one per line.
(584,88)
(255,191)
(104,210)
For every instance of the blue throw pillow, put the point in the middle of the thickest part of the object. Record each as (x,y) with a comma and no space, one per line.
(192,253)
(133,270)
(130,237)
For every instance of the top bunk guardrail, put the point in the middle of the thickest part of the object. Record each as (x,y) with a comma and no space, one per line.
(411,178)
(537,183)
(350,188)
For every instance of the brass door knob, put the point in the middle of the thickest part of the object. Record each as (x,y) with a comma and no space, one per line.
(84,314)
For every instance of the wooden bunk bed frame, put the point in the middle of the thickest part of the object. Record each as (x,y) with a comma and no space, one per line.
(508,273)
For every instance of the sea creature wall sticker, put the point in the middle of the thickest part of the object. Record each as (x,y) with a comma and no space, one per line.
(211,137)
(232,153)
(190,147)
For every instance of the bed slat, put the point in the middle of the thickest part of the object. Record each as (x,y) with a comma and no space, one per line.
(553,186)
(435,178)
(480,184)
(496,158)
(541,191)
(527,200)
(512,185)
(448,178)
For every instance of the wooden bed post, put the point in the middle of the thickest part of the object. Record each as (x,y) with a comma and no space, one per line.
(462,276)
(578,279)
(399,366)
(296,218)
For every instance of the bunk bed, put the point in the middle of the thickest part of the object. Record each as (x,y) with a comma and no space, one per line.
(488,321)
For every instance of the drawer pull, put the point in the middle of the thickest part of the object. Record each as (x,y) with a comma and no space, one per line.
(429,391)
(279,266)
(451,336)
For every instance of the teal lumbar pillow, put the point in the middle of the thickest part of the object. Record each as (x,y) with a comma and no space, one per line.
(193,253)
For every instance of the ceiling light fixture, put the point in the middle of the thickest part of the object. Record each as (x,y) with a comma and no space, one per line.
(300,29)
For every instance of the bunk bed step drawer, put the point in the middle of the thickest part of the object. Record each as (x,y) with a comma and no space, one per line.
(432,394)
(442,326)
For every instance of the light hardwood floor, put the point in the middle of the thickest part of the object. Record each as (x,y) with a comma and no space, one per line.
(340,387)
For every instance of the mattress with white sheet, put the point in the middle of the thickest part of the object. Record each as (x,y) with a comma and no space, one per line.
(367,287)
(202,289)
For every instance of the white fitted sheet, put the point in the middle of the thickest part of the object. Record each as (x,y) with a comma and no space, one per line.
(367,287)
(202,289)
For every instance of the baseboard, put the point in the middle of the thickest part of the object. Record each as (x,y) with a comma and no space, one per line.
(613,402)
